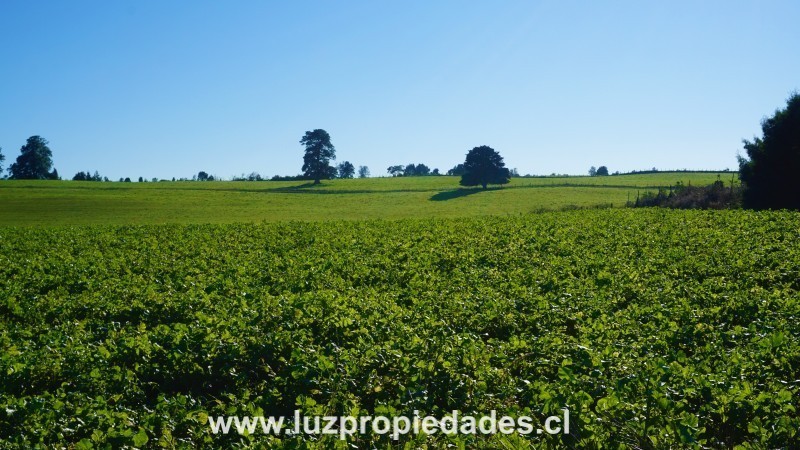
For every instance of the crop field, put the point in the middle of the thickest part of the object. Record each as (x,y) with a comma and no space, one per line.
(46,203)
(654,328)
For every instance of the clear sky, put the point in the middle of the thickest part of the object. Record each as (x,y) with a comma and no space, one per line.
(168,88)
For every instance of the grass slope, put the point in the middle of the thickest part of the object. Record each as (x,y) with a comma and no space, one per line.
(48,203)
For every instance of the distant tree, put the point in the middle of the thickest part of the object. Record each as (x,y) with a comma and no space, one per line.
(154,179)
(254,176)
(34,161)
(363,172)
(395,171)
(409,170)
(2,158)
(202,176)
(87,176)
(435,172)
(769,174)
(319,152)
(127,180)
(456,171)
(346,170)
(592,171)
(513,172)
(141,180)
(484,166)
(288,177)
(602,171)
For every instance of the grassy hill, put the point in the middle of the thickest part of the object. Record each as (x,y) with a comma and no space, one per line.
(49,203)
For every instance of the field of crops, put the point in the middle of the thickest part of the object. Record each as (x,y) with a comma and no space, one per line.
(48,203)
(657,329)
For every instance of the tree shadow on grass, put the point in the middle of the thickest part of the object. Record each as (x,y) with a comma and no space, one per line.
(299,186)
(457,193)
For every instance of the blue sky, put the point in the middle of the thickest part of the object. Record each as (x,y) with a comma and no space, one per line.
(168,88)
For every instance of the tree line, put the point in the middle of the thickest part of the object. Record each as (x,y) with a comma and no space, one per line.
(35,162)
(768,172)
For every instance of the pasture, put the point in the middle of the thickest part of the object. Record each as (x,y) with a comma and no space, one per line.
(48,203)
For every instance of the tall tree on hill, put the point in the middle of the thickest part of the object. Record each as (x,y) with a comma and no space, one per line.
(770,175)
(602,171)
(484,166)
(34,161)
(363,172)
(319,152)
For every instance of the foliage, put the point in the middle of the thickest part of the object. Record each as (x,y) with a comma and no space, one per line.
(2,158)
(457,170)
(288,178)
(319,151)
(592,171)
(87,176)
(253,176)
(680,196)
(683,336)
(770,175)
(395,171)
(602,171)
(412,170)
(34,161)
(346,170)
(484,166)
(204,176)
(363,172)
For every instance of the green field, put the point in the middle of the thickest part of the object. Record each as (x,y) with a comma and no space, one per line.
(657,329)
(90,203)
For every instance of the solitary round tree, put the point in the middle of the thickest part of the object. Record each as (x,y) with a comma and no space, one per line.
(770,175)
(34,161)
(484,166)
(319,152)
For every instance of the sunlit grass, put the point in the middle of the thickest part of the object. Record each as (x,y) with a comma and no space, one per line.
(49,203)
